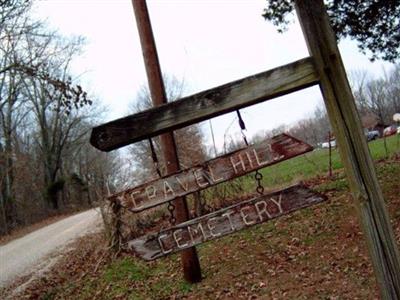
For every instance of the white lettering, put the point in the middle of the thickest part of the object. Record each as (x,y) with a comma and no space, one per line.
(213,175)
(193,232)
(228,215)
(274,154)
(261,163)
(238,163)
(198,174)
(244,216)
(184,187)
(151,192)
(278,203)
(263,210)
(168,189)
(249,159)
(178,239)
(133,199)
(160,237)
(212,227)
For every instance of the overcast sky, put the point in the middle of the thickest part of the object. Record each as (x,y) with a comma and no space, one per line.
(206,43)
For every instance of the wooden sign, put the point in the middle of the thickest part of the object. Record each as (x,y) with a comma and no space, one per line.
(215,171)
(225,221)
(205,105)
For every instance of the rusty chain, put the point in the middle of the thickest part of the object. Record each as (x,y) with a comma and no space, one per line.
(171,209)
(258,176)
(154,157)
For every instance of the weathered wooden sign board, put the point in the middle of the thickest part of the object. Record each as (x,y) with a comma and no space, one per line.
(205,105)
(215,171)
(225,221)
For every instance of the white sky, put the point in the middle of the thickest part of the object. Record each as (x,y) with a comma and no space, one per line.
(206,43)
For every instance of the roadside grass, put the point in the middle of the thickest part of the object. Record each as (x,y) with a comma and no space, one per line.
(315,253)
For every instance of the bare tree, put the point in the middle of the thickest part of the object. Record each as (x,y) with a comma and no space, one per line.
(44,124)
(13,32)
(377,98)
(56,114)
(189,140)
(314,129)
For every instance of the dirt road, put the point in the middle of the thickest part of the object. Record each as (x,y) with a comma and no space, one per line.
(24,255)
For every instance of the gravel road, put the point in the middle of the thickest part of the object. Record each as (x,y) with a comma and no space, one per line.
(27,254)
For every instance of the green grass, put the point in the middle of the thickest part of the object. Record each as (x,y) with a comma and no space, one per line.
(126,269)
(136,279)
(317,163)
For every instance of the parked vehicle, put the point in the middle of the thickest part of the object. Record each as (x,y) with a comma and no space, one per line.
(372,135)
(390,130)
(398,130)
(326,144)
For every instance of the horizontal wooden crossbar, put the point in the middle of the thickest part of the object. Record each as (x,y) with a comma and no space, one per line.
(205,105)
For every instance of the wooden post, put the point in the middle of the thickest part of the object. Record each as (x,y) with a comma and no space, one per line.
(352,144)
(190,261)
(330,153)
(116,235)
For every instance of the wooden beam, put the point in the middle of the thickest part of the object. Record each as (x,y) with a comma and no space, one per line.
(225,221)
(205,105)
(210,173)
(352,145)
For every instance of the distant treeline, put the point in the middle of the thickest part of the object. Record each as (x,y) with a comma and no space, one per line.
(377,101)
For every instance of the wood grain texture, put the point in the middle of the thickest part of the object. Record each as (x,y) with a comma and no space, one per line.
(210,173)
(225,221)
(352,145)
(189,259)
(205,105)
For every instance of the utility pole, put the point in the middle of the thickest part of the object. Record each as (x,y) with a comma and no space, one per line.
(190,261)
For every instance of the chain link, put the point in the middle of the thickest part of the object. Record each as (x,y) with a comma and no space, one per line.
(154,157)
(171,209)
(242,127)
(259,177)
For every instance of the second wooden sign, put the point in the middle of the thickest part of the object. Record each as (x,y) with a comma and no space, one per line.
(225,221)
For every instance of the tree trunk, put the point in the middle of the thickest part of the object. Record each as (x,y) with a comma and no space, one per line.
(3,219)
(11,213)
(53,198)
(52,186)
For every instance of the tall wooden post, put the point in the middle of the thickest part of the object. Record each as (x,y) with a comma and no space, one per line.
(190,261)
(352,144)
(330,153)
